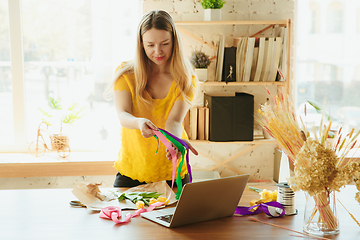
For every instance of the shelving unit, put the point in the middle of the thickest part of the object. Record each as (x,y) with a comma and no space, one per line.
(280,23)
(283,85)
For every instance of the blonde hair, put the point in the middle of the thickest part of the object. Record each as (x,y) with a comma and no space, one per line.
(180,67)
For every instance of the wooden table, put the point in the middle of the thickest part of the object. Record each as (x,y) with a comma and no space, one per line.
(46,214)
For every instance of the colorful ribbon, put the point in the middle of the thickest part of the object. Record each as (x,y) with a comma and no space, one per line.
(262,207)
(158,135)
(183,147)
(165,137)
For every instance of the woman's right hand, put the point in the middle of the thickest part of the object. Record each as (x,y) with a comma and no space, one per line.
(146,127)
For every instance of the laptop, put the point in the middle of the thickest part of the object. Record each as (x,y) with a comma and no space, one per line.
(202,201)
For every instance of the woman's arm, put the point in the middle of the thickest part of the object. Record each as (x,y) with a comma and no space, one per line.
(176,117)
(123,104)
(174,124)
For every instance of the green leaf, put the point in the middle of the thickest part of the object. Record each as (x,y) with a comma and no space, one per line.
(355,136)
(122,197)
(212,4)
(331,134)
(46,122)
(54,104)
(139,196)
(74,115)
(131,197)
(146,202)
(46,114)
(150,194)
(72,107)
(255,189)
(320,110)
(316,106)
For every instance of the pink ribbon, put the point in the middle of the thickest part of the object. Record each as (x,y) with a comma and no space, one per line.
(114,213)
(172,153)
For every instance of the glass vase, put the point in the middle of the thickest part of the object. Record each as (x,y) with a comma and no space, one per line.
(320,216)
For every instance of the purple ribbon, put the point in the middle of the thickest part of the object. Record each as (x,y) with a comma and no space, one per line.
(262,207)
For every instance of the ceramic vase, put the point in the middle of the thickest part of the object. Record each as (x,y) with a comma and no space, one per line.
(202,74)
(212,14)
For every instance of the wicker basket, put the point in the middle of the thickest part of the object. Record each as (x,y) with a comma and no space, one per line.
(59,141)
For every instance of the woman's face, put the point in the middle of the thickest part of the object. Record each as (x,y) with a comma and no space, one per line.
(157,45)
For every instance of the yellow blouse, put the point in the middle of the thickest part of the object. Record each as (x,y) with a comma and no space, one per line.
(137,157)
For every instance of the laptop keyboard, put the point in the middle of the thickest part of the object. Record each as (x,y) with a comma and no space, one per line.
(166,218)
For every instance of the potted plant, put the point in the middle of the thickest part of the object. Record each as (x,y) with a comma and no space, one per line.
(212,9)
(200,61)
(67,116)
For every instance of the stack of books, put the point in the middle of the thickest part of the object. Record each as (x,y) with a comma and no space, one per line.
(196,123)
(252,59)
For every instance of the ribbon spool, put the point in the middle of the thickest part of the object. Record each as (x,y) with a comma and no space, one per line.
(286,197)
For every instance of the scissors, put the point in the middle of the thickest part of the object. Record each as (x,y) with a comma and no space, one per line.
(76,203)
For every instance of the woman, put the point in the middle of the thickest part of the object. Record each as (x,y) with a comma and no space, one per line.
(154,90)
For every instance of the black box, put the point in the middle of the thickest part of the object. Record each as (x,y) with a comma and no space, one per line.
(231,118)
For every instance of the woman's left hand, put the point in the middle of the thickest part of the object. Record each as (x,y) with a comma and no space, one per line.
(178,153)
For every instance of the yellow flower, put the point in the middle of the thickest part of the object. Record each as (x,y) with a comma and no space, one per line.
(254,202)
(153,200)
(140,204)
(258,201)
(163,199)
(268,195)
(273,196)
(265,194)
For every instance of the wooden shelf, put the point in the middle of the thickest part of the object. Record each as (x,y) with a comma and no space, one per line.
(212,23)
(241,83)
(280,23)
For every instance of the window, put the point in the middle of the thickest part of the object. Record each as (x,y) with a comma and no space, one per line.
(335,17)
(358,21)
(327,65)
(70,52)
(314,17)
(6,105)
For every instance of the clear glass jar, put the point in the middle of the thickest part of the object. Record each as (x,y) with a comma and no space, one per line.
(320,216)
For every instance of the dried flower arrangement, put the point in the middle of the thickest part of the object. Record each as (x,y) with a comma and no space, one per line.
(199,59)
(320,169)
